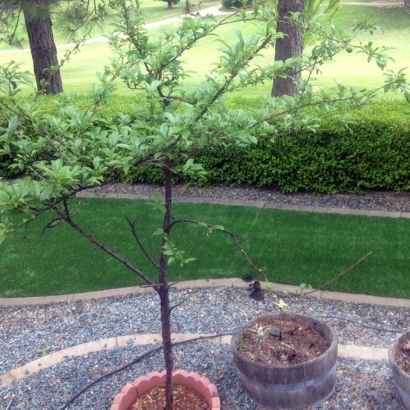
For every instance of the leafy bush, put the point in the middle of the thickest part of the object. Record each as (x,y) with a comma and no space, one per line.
(50,105)
(373,154)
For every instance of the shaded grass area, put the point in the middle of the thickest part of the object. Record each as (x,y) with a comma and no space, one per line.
(351,69)
(153,10)
(296,247)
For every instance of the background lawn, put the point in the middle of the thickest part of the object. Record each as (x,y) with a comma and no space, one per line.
(296,247)
(352,69)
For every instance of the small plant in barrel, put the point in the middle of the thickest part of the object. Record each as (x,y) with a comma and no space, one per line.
(277,340)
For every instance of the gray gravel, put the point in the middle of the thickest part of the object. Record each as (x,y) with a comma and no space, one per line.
(26,331)
(375,201)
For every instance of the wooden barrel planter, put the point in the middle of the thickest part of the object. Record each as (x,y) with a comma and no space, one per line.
(401,378)
(294,386)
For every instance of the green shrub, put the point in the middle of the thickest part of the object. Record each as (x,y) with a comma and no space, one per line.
(373,154)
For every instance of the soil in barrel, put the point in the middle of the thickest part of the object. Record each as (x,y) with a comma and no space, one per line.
(184,399)
(299,343)
(402,355)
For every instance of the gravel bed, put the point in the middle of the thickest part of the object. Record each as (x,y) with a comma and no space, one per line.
(27,330)
(360,384)
(375,201)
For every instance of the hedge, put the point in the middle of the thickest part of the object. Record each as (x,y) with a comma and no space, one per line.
(373,154)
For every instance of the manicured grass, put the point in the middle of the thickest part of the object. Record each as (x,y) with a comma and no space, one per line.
(296,247)
(154,10)
(351,69)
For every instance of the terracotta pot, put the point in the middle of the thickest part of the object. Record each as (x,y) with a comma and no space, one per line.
(130,392)
(289,387)
(401,378)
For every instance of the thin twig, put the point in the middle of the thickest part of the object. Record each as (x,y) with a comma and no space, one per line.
(339,275)
(140,244)
(96,242)
(175,306)
(7,408)
(234,236)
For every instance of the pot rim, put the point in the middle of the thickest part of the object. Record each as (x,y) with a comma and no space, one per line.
(391,351)
(142,384)
(235,336)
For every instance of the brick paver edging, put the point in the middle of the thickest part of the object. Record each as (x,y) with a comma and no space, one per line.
(345,351)
(256,204)
(203,283)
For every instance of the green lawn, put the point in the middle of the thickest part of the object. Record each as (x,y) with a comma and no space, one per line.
(296,247)
(154,10)
(352,69)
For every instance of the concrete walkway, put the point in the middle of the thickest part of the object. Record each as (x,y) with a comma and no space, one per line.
(214,11)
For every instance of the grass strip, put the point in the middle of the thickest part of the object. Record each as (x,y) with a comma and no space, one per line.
(296,247)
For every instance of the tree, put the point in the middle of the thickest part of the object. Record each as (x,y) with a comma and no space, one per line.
(66,153)
(287,46)
(314,8)
(71,16)
(170,3)
(293,40)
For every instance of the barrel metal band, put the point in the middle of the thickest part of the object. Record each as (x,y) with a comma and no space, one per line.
(287,387)
(403,393)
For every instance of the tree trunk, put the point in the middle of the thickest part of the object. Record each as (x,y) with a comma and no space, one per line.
(163,291)
(43,51)
(169,5)
(166,341)
(287,47)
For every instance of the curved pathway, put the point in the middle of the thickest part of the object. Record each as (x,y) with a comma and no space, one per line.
(215,11)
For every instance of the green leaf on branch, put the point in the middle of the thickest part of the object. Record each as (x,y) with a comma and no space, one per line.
(157,203)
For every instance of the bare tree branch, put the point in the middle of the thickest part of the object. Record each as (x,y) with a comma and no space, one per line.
(233,235)
(96,242)
(140,244)
(175,306)
(339,275)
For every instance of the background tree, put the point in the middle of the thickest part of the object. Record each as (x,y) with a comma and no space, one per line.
(170,3)
(75,150)
(289,45)
(73,18)
(313,8)
(293,40)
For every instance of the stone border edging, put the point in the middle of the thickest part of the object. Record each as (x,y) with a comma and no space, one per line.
(202,283)
(256,204)
(19,373)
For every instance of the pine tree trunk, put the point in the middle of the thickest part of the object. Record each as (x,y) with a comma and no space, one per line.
(43,51)
(287,47)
